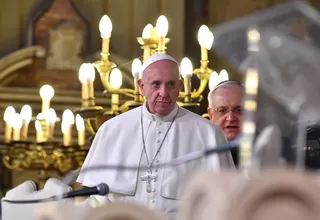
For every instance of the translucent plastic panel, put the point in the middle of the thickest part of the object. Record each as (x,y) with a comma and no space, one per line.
(289,56)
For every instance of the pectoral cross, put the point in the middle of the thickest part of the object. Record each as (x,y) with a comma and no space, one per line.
(148,178)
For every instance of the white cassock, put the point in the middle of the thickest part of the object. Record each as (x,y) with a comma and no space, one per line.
(120,141)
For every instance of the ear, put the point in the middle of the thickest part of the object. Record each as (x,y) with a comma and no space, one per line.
(210,113)
(141,85)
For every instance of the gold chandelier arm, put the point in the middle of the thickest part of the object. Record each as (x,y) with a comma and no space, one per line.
(62,162)
(11,164)
(198,93)
(104,68)
(126,92)
(29,157)
(92,125)
(202,87)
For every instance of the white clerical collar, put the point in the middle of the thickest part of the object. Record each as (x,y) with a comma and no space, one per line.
(153,117)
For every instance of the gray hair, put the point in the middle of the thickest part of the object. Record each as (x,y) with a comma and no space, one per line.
(223,84)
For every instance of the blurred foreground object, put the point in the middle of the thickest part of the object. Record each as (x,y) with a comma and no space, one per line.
(28,191)
(272,194)
(287,59)
(282,193)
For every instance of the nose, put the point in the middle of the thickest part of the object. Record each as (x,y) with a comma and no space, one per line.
(163,91)
(231,116)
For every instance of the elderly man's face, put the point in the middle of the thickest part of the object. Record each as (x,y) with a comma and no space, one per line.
(226,110)
(161,85)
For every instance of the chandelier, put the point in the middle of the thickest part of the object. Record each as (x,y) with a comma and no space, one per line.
(153,40)
(20,152)
(45,152)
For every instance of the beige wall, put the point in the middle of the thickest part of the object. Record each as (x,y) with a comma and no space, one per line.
(129,17)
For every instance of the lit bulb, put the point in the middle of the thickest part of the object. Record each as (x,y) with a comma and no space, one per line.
(68,116)
(203,30)
(40,116)
(17,121)
(46,92)
(162,26)
(214,80)
(205,37)
(209,41)
(105,27)
(38,126)
(146,33)
(9,114)
(26,113)
(253,35)
(65,125)
(86,73)
(136,68)
(80,123)
(51,116)
(223,75)
(116,78)
(186,68)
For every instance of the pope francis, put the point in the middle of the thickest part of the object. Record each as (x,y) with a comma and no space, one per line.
(157,132)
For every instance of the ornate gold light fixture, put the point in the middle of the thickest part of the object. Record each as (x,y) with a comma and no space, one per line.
(44,152)
(153,41)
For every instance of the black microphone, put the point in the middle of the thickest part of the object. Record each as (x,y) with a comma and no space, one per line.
(101,189)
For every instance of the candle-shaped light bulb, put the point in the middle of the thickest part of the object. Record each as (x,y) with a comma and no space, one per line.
(162,26)
(186,68)
(83,73)
(105,26)
(147,34)
(205,38)
(26,114)
(115,82)
(40,116)
(186,72)
(214,80)
(68,116)
(91,73)
(66,126)
(9,113)
(51,120)
(87,76)
(67,133)
(202,34)
(17,124)
(147,31)
(136,68)
(116,78)
(87,73)
(223,75)
(80,123)
(46,94)
(39,135)
(8,117)
(81,130)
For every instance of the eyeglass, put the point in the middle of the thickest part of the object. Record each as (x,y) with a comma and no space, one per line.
(221,111)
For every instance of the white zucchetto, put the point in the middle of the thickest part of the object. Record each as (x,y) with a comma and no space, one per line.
(154,58)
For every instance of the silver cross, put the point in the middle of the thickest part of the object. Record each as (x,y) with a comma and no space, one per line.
(148,178)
